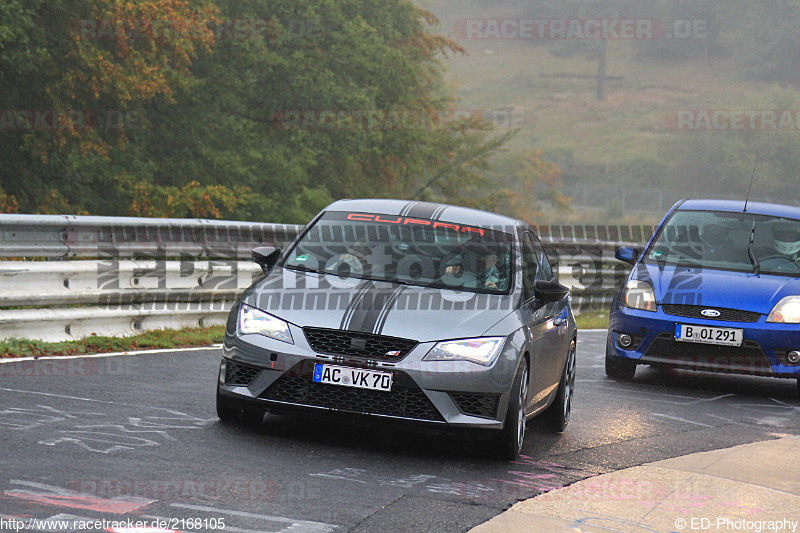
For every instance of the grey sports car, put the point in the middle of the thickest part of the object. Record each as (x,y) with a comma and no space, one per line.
(405,311)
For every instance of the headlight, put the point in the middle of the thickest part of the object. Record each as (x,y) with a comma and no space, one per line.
(483,350)
(252,320)
(639,295)
(787,311)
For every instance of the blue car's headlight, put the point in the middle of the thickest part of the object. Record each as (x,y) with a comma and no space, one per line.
(252,320)
(481,350)
(787,311)
(639,295)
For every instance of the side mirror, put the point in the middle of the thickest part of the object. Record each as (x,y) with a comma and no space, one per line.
(627,254)
(266,257)
(549,291)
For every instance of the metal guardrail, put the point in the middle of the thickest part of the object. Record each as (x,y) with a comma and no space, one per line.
(68,236)
(77,276)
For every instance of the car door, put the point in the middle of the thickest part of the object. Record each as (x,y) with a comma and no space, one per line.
(535,317)
(556,339)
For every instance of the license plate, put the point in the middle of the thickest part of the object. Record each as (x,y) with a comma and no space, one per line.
(709,335)
(352,377)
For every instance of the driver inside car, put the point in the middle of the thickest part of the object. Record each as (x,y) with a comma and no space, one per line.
(786,239)
(480,265)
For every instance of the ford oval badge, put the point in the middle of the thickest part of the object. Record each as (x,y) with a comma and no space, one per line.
(710,313)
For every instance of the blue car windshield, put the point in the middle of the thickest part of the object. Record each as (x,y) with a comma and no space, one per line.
(407,250)
(722,241)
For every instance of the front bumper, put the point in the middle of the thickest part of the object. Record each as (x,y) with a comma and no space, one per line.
(762,353)
(263,373)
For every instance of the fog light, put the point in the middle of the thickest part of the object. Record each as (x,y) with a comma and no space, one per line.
(625,340)
(793,357)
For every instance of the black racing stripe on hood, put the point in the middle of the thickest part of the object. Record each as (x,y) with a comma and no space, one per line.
(387,309)
(371,307)
(422,210)
(354,301)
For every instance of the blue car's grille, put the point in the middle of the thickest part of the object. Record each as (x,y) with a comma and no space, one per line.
(695,311)
(747,358)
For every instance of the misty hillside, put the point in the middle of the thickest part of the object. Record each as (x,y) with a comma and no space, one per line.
(646,144)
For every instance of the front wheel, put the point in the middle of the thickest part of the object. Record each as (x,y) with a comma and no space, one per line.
(561,408)
(508,443)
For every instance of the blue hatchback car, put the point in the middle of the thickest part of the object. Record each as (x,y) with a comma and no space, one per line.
(717,288)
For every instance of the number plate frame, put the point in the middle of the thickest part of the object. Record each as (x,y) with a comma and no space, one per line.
(709,335)
(358,378)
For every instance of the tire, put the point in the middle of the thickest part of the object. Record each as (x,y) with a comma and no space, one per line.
(798,386)
(560,410)
(508,443)
(619,368)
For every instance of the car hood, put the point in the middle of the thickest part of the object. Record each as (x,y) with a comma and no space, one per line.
(716,288)
(420,313)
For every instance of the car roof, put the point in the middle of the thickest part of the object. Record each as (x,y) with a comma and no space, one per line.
(429,210)
(757,208)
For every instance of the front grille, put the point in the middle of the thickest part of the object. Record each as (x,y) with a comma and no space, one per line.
(748,357)
(240,374)
(405,400)
(483,405)
(726,315)
(353,343)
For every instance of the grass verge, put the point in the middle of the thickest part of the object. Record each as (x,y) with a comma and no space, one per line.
(156,339)
(592,320)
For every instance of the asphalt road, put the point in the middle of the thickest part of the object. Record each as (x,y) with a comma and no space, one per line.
(136,438)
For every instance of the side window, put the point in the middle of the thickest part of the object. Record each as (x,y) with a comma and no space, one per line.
(545,270)
(530,265)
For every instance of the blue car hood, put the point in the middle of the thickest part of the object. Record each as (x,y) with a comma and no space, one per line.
(421,313)
(716,288)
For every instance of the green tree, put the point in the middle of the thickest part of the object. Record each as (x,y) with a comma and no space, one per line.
(203,108)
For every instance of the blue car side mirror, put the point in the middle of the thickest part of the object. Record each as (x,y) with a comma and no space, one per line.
(627,254)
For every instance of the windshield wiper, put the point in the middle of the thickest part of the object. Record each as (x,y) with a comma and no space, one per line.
(753,258)
(304,268)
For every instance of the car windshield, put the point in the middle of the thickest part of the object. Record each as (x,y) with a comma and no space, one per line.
(722,240)
(414,251)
